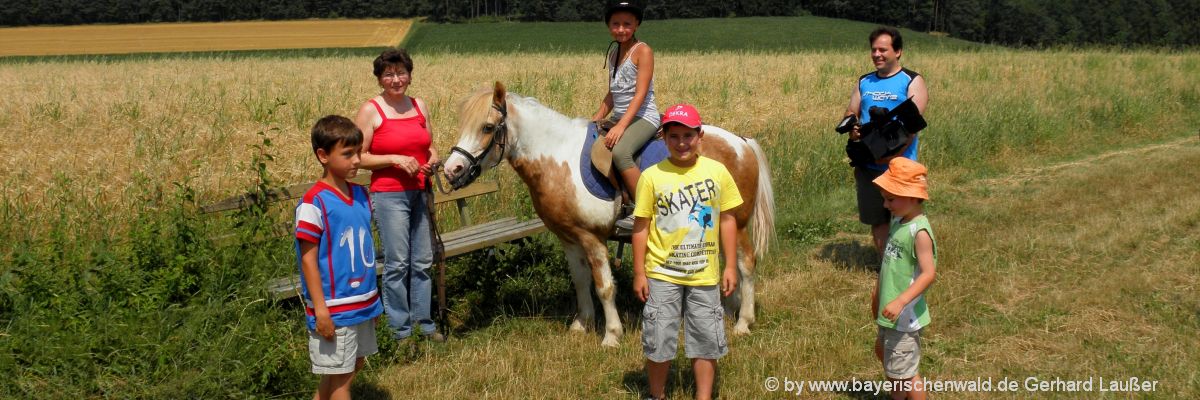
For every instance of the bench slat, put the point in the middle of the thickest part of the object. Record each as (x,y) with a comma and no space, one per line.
(456,243)
(470,244)
(476,229)
(474,189)
(296,191)
(236,202)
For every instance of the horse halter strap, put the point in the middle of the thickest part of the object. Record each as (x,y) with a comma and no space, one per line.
(499,139)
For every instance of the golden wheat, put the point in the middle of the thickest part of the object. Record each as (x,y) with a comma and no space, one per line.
(216,36)
(101,124)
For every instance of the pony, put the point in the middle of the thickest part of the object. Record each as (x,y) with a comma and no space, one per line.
(543,147)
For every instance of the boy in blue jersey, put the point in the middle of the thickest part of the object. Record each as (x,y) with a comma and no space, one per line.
(888,86)
(337,261)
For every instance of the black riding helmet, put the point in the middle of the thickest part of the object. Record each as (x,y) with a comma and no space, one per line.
(630,6)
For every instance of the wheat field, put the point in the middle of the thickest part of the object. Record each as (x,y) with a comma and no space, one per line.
(101,125)
(215,36)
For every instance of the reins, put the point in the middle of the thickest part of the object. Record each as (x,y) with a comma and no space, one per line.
(439,253)
(499,139)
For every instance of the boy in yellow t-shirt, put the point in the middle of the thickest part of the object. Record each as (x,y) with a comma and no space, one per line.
(682,213)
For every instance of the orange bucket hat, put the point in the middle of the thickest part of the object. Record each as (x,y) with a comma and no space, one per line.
(904,177)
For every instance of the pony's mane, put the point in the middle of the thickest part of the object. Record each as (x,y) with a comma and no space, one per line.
(477,106)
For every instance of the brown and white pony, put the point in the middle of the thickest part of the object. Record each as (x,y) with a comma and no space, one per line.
(544,146)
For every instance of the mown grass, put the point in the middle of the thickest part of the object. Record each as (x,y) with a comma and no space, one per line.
(753,34)
(112,286)
(1073,272)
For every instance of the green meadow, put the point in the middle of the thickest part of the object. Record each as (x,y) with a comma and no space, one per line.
(1062,190)
(753,34)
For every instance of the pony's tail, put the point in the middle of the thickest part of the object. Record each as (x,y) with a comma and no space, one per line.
(762,223)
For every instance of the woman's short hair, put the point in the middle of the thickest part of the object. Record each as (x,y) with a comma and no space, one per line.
(392,58)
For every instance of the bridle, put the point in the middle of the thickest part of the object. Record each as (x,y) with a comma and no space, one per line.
(499,139)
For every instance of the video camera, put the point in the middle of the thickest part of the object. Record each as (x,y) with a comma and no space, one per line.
(847,124)
(886,134)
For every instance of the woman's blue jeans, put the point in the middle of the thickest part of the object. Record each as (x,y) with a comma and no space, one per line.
(403,222)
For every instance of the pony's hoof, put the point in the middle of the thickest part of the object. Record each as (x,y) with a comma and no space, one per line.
(741,329)
(578,327)
(610,341)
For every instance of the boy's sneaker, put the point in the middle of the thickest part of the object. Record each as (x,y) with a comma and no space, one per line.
(625,224)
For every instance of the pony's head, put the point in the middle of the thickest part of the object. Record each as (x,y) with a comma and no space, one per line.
(483,136)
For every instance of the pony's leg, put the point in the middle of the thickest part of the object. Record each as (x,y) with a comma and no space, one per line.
(746,265)
(597,257)
(582,277)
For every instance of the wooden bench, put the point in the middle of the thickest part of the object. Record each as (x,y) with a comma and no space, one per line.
(468,238)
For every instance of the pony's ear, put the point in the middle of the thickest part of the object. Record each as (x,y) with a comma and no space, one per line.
(498,93)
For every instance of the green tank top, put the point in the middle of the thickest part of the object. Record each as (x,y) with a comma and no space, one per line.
(899,270)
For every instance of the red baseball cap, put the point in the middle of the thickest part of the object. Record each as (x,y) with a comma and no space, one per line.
(684,114)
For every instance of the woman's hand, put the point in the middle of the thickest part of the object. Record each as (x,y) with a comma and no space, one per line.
(405,163)
(613,136)
(428,168)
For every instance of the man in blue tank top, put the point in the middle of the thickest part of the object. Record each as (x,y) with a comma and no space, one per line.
(888,86)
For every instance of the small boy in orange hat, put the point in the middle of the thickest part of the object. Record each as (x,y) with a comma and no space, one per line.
(908,268)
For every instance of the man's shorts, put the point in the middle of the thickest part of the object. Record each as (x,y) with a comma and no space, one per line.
(337,356)
(870,201)
(901,352)
(704,325)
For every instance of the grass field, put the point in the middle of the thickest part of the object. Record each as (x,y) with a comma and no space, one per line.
(1062,185)
(755,34)
(224,36)
(1024,290)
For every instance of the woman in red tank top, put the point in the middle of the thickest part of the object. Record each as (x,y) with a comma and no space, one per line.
(397,148)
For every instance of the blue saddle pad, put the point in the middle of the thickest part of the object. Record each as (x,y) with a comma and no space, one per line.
(651,153)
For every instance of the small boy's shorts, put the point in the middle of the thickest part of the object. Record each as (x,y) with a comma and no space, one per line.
(901,352)
(337,356)
(704,325)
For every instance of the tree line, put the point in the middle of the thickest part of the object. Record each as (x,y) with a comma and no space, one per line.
(1035,23)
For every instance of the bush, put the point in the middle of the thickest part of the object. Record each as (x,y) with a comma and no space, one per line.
(165,309)
(525,278)
(528,278)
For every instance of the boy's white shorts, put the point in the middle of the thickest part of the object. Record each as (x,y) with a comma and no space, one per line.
(337,356)
(901,352)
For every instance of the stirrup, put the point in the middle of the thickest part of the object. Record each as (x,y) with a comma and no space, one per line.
(624,223)
(627,209)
